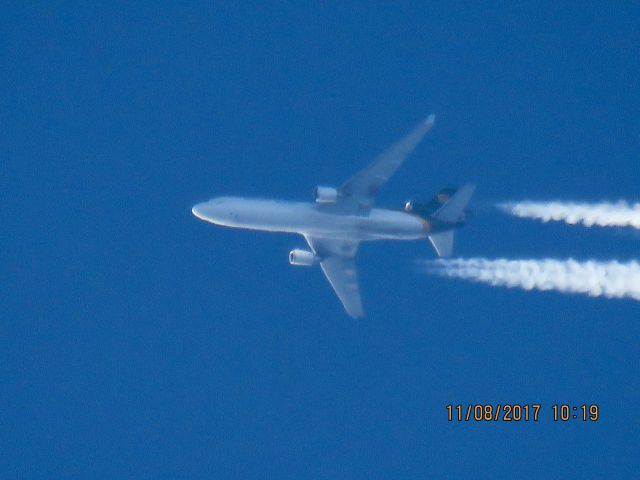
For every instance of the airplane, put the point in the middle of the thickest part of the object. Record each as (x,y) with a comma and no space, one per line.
(339,219)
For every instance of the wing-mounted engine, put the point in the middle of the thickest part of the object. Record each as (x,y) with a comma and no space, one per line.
(325,195)
(303,258)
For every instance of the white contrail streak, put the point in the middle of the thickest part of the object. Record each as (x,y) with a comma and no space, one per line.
(620,214)
(606,279)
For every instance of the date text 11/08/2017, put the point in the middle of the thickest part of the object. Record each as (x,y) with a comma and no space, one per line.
(515,412)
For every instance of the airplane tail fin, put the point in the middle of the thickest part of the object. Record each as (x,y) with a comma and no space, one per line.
(453,207)
(451,211)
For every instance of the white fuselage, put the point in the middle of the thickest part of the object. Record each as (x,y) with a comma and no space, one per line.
(311,219)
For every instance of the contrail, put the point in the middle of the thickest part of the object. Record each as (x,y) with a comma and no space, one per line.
(605,214)
(597,279)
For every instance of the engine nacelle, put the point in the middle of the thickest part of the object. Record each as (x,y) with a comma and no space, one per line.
(302,258)
(325,195)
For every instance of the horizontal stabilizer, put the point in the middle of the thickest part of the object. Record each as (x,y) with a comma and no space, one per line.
(443,243)
(452,211)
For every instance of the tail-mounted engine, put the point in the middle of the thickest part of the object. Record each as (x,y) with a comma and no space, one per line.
(302,258)
(325,195)
(427,209)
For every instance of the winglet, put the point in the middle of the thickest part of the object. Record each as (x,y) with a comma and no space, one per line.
(431,119)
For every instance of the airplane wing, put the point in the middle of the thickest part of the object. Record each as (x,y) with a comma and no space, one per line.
(359,192)
(339,267)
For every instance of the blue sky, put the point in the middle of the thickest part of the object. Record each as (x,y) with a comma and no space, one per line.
(138,342)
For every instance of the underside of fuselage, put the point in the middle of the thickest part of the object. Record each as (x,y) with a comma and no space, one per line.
(310,219)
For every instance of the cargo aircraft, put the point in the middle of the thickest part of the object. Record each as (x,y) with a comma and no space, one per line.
(339,219)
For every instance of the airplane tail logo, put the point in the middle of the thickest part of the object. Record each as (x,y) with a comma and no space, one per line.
(446,211)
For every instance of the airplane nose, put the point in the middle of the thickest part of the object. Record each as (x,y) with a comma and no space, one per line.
(198,211)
